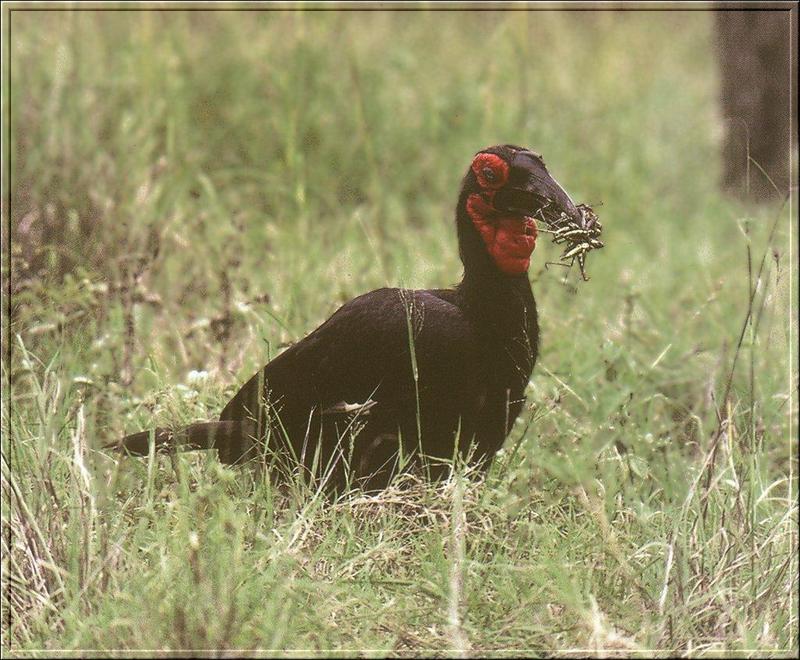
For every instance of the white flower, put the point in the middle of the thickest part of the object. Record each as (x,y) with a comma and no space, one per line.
(197,377)
(187,393)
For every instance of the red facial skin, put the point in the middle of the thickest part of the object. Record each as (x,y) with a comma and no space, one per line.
(491,171)
(509,239)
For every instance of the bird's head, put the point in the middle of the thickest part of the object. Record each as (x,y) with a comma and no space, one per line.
(504,191)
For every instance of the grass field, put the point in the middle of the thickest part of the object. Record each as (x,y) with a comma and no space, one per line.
(192,191)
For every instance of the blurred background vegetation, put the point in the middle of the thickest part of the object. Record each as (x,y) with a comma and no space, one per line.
(192,190)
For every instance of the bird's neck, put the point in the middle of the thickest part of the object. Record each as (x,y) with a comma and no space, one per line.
(500,307)
(502,311)
(498,304)
(493,299)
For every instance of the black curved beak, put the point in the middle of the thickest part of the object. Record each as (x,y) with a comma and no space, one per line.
(531,191)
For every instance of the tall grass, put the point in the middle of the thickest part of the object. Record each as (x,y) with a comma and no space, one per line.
(190,191)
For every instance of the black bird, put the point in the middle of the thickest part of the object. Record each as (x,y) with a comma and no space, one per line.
(401,373)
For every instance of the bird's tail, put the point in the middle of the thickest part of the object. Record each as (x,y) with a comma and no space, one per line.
(234,440)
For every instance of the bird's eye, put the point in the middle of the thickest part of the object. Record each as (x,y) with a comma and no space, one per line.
(491,170)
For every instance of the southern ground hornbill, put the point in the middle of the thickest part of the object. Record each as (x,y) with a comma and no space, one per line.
(397,373)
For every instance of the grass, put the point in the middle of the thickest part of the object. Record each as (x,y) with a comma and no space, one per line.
(192,191)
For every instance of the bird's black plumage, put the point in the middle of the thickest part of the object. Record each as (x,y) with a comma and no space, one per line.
(439,370)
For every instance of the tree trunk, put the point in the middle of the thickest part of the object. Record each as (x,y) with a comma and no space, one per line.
(757,93)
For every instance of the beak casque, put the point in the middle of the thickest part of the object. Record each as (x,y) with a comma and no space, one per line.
(533,192)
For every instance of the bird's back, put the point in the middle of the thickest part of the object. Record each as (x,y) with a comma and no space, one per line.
(387,361)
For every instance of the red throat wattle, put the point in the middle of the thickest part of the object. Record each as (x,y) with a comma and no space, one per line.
(509,239)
